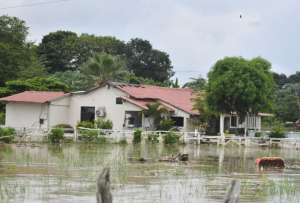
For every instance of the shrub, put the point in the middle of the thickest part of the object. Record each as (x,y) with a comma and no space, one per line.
(88,135)
(258,134)
(62,125)
(153,138)
(2,118)
(137,136)
(277,131)
(103,123)
(101,140)
(86,124)
(123,141)
(56,135)
(166,124)
(171,138)
(7,134)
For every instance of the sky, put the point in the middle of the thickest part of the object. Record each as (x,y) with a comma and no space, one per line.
(195,33)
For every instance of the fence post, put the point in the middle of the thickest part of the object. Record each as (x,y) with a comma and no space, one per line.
(103,187)
(233,194)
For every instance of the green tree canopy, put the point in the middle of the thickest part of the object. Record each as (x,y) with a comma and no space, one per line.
(104,67)
(239,85)
(287,106)
(196,84)
(144,61)
(58,51)
(280,79)
(16,55)
(294,78)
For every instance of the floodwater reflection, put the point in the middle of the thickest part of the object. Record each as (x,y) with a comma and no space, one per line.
(67,173)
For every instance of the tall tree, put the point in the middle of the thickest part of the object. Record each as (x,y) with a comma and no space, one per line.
(15,53)
(104,67)
(239,85)
(287,106)
(89,45)
(294,78)
(58,51)
(280,79)
(147,62)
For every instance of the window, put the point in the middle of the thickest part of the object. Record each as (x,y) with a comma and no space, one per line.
(87,113)
(119,100)
(179,121)
(133,119)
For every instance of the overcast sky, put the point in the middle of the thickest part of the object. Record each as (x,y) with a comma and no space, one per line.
(195,33)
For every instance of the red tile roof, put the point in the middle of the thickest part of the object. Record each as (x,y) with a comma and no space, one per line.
(33,97)
(180,98)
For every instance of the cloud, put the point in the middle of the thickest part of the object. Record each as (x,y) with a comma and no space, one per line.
(194,33)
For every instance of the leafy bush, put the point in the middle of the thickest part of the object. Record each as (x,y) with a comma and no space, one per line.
(166,124)
(258,134)
(88,135)
(123,141)
(63,125)
(101,140)
(2,118)
(153,138)
(86,124)
(277,131)
(171,138)
(7,134)
(56,135)
(103,123)
(137,136)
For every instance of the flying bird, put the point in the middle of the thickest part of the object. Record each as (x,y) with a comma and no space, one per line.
(241,16)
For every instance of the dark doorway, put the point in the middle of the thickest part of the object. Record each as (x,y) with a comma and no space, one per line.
(87,113)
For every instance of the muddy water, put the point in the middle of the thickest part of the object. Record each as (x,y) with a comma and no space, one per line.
(65,174)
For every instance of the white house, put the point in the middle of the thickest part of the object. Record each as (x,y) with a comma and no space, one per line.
(123,104)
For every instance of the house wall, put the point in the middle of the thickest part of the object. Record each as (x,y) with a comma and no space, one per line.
(26,115)
(102,97)
(59,112)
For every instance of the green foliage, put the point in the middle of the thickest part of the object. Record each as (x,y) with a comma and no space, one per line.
(56,135)
(123,141)
(102,123)
(295,78)
(258,134)
(58,51)
(280,79)
(7,134)
(137,136)
(103,67)
(171,138)
(277,131)
(88,135)
(166,124)
(287,102)
(2,118)
(153,138)
(155,111)
(62,125)
(74,80)
(239,85)
(197,84)
(86,124)
(37,84)
(144,61)
(15,53)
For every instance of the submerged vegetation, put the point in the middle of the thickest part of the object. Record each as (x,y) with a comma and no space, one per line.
(56,135)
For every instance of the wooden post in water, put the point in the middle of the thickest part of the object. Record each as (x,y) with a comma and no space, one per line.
(103,187)
(233,194)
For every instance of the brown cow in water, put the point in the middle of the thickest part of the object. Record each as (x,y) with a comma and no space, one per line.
(270,162)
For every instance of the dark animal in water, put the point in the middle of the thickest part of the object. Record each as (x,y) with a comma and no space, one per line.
(103,187)
(270,162)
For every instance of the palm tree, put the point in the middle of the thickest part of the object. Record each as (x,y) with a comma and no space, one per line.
(104,67)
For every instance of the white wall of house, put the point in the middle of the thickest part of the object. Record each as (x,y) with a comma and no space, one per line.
(26,115)
(59,112)
(102,97)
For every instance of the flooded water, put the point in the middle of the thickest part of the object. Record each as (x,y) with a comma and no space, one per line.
(68,173)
